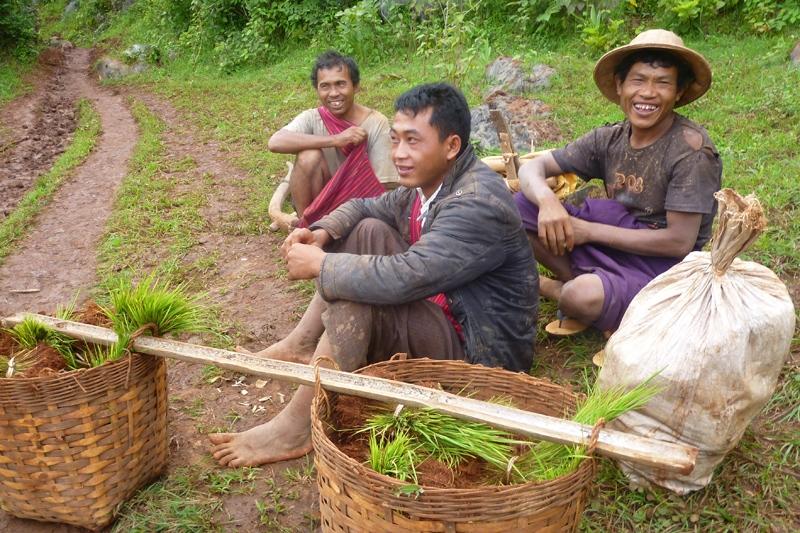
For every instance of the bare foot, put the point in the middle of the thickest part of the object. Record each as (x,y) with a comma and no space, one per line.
(283,350)
(280,439)
(550,288)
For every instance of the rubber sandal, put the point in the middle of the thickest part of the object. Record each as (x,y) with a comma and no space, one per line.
(599,358)
(564,326)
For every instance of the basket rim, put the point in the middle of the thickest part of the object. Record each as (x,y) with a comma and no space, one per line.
(73,373)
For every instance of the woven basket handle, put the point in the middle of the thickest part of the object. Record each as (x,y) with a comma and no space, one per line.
(318,390)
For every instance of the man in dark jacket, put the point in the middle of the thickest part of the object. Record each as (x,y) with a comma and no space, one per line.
(439,267)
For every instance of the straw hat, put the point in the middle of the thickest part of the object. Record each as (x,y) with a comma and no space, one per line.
(654,40)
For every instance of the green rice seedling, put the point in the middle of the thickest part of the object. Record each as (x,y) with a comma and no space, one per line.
(94,355)
(17,363)
(67,312)
(153,302)
(30,332)
(445,438)
(395,456)
(549,460)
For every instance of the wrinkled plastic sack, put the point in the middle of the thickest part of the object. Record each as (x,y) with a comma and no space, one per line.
(719,330)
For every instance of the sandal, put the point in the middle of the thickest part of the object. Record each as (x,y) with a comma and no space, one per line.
(564,326)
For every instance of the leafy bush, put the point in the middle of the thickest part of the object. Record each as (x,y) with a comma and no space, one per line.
(18,27)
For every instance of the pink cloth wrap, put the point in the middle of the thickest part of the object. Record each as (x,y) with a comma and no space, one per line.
(353,179)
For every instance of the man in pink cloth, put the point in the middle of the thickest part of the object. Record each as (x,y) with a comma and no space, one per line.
(342,147)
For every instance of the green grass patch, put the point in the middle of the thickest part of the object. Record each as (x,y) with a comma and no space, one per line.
(17,224)
(156,217)
(12,83)
(187,500)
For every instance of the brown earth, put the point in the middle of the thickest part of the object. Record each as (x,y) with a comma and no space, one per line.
(57,259)
(38,129)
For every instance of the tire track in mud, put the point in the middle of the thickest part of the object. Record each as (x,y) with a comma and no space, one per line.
(57,259)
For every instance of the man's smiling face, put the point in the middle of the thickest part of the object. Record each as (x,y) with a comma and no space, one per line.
(648,95)
(336,90)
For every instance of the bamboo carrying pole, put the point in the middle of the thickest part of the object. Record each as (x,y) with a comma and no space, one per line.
(667,456)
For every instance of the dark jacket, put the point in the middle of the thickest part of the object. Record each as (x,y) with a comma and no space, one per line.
(472,248)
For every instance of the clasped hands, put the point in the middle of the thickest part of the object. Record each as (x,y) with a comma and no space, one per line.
(303,252)
(558,231)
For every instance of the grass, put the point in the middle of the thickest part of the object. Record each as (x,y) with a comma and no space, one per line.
(17,224)
(186,500)
(12,84)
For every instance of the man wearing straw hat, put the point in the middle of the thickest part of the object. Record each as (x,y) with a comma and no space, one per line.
(439,267)
(660,172)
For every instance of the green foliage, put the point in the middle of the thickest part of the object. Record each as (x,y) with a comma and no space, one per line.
(549,460)
(396,455)
(600,32)
(18,27)
(765,16)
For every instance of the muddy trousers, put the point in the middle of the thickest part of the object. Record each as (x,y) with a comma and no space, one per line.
(373,333)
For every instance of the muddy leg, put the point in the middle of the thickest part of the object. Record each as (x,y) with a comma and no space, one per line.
(309,175)
(299,345)
(287,436)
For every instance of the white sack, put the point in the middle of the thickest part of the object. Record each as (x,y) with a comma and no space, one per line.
(719,335)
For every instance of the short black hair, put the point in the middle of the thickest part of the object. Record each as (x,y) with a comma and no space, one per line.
(656,58)
(331,59)
(449,109)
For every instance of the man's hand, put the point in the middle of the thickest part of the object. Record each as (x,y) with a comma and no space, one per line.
(304,261)
(581,230)
(318,238)
(352,135)
(555,227)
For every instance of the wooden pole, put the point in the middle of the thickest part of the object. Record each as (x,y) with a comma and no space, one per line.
(510,156)
(664,455)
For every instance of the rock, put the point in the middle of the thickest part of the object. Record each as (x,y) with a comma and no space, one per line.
(540,76)
(142,53)
(528,121)
(57,42)
(109,69)
(510,75)
(71,7)
(795,55)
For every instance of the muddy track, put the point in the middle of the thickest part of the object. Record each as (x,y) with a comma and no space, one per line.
(41,128)
(57,258)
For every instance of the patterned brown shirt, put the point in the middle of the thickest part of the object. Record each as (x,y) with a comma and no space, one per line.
(681,171)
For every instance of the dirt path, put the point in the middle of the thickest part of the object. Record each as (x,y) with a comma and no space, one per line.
(245,285)
(58,257)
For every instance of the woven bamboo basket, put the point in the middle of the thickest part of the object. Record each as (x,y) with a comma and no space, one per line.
(75,445)
(355,498)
